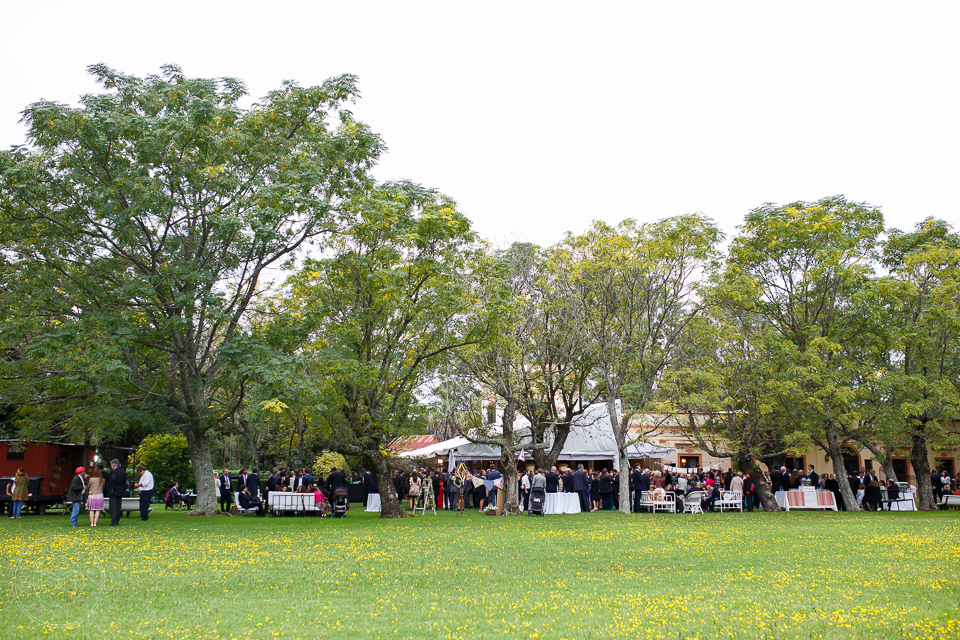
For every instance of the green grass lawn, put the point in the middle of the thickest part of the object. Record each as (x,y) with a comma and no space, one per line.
(600,575)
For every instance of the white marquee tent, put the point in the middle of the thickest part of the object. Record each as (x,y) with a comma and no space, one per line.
(590,438)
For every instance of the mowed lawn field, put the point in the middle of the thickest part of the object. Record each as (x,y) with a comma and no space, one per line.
(600,575)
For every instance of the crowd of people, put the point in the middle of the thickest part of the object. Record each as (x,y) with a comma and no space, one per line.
(476,488)
(99,488)
(600,489)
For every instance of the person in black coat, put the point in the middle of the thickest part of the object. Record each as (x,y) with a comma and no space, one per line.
(226,491)
(643,484)
(776,480)
(872,496)
(893,493)
(581,485)
(553,480)
(594,479)
(369,483)
(400,486)
(114,489)
(636,479)
(606,490)
(435,481)
(253,483)
(568,482)
(936,483)
(249,501)
(335,480)
(710,498)
(813,478)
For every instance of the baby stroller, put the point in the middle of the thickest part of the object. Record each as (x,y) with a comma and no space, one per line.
(340,502)
(537,497)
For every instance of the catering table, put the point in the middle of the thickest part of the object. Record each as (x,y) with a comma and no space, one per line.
(373,502)
(561,503)
(805,499)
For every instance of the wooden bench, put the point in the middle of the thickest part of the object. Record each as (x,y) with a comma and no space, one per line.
(949,500)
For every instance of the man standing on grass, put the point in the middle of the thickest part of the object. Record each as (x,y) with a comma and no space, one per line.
(553,480)
(145,487)
(226,496)
(493,475)
(252,482)
(75,494)
(115,488)
(581,486)
(814,478)
(776,479)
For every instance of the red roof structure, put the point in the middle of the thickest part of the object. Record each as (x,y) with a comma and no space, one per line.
(411,443)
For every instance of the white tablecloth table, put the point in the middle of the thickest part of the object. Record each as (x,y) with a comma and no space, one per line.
(561,503)
(373,502)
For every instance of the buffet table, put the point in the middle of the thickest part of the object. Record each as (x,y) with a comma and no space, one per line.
(805,499)
(561,503)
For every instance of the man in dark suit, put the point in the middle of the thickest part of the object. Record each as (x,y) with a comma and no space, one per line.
(636,479)
(776,480)
(226,491)
(814,478)
(335,480)
(297,481)
(581,485)
(115,487)
(568,481)
(493,474)
(249,501)
(606,490)
(553,480)
(936,484)
(369,485)
(252,482)
(308,478)
(272,482)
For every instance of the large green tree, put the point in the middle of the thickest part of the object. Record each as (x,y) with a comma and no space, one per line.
(921,374)
(805,265)
(378,313)
(636,290)
(139,226)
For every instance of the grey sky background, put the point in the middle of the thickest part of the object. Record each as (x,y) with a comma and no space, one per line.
(539,117)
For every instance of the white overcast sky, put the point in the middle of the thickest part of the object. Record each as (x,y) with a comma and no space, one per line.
(538,117)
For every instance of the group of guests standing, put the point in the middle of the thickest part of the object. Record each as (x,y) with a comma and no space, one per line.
(113,483)
(101,487)
(251,496)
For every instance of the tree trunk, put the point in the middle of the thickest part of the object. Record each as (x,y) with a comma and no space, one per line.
(545,459)
(198,443)
(836,456)
(885,458)
(389,504)
(749,465)
(620,437)
(624,482)
(920,460)
(508,459)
